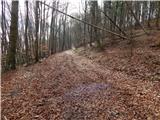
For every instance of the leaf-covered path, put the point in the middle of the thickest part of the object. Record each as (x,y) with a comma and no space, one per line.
(71,87)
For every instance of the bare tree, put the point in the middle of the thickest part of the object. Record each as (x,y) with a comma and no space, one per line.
(94,20)
(37,29)
(158,14)
(26,32)
(13,35)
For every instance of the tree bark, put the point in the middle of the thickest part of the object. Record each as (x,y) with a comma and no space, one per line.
(37,29)
(26,33)
(13,35)
(158,14)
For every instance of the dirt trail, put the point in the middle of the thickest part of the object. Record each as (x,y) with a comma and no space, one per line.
(71,87)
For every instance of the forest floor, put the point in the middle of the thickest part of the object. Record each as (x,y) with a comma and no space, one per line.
(85,85)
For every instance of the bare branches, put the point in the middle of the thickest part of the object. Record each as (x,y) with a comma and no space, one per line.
(130,8)
(86,22)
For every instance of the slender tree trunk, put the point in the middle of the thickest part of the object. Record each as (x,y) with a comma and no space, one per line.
(121,15)
(144,9)
(158,14)
(40,30)
(2,27)
(43,33)
(110,15)
(37,29)
(85,14)
(64,30)
(4,43)
(115,15)
(26,33)
(137,12)
(64,34)
(149,14)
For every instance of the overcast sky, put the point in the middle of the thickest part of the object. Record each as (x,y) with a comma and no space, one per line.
(77,5)
(74,5)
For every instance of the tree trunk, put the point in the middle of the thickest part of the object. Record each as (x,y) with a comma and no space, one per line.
(158,14)
(37,29)
(149,14)
(13,35)
(26,33)
(94,20)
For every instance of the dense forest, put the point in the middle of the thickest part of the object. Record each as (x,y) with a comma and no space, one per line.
(43,29)
(101,62)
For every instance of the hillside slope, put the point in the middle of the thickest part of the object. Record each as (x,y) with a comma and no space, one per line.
(86,85)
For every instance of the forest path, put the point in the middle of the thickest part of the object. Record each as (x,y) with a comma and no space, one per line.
(71,87)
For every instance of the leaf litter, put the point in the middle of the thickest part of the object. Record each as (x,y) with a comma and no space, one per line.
(85,86)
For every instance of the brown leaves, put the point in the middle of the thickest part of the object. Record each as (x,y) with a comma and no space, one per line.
(69,86)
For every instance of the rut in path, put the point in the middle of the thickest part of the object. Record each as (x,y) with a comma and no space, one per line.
(92,68)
